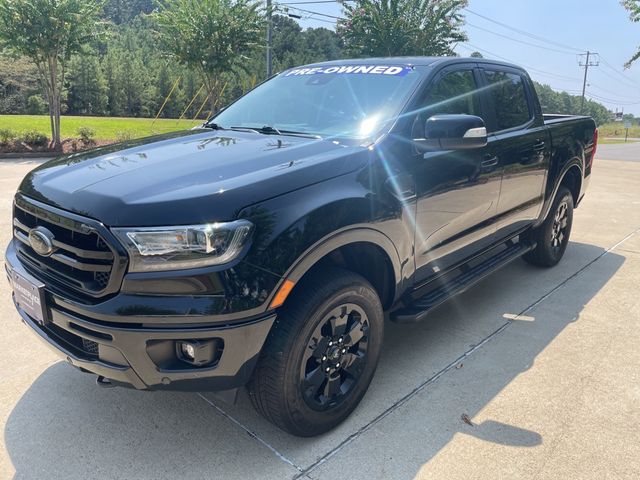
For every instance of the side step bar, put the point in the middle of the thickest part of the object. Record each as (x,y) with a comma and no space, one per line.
(420,308)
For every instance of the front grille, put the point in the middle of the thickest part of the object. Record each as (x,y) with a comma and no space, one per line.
(81,259)
(72,341)
(90,346)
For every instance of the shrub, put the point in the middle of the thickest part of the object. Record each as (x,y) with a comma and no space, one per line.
(87,135)
(124,135)
(35,138)
(6,136)
(36,105)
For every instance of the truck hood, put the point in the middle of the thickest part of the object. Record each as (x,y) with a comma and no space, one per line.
(193,176)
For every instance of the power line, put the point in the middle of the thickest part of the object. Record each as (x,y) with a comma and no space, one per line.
(519,41)
(316,13)
(615,79)
(307,3)
(523,32)
(542,72)
(332,22)
(310,14)
(612,100)
(631,80)
(608,91)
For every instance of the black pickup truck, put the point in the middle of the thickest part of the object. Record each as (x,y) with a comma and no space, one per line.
(266,247)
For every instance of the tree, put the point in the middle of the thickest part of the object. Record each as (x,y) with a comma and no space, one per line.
(292,46)
(18,82)
(122,11)
(563,103)
(633,6)
(214,37)
(402,27)
(321,44)
(286,43)
(86,86)
(49,32)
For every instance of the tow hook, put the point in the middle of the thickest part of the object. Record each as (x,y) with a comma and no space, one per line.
(104,382)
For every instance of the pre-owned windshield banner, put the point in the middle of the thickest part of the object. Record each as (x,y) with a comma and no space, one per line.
(397,70)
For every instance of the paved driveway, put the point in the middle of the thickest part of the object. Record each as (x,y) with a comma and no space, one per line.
(531,374)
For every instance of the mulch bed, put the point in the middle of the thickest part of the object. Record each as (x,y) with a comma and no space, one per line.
(69,145)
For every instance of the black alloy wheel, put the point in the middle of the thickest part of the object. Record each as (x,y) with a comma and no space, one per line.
(552,236)
(335,356)
(559,226)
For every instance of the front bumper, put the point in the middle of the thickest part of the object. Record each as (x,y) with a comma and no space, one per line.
(145,357)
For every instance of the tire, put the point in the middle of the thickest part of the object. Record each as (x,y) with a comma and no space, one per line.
(290,386)
(552,237)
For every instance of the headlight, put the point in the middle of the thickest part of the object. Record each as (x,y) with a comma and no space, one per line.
(192,246)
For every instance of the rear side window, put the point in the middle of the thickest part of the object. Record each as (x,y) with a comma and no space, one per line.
(454,92)
(509,99)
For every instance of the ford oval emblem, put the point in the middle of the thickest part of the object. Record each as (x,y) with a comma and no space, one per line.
(41,240)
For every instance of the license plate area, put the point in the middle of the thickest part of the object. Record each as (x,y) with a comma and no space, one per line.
(29,295)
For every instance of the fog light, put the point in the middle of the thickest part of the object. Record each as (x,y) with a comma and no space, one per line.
(188,350)
(199,353)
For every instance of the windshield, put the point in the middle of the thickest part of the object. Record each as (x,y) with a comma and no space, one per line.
(352,101)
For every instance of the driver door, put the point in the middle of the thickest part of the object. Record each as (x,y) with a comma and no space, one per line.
(457,190)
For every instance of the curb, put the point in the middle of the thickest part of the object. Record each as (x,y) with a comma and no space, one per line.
(27,155)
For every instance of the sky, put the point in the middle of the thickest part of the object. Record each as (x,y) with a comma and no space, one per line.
(601,26)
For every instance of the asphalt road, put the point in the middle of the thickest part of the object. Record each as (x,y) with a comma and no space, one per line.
(533,373)
(629,152)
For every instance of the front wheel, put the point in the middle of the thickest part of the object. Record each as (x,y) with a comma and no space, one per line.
(321,354)
(552,237)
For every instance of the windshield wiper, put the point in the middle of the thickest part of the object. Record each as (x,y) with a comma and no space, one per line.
(212,126)
(246,129)
(299,134)
(270,130)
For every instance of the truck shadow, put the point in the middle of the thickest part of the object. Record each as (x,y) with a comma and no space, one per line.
(67,427)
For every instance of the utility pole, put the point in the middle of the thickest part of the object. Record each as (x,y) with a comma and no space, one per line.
(592,60)
(269,35)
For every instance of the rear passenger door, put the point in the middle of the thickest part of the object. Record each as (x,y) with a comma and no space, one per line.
(520,142)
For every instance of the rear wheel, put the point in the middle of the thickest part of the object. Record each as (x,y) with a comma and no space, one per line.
(552,237)
(321,354)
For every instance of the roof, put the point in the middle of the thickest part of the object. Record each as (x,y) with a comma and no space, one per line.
(413,60)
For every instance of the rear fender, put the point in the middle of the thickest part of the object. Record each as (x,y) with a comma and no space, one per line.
(573,163)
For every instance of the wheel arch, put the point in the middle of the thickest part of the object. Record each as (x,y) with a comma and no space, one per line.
(570,176)
(363,250)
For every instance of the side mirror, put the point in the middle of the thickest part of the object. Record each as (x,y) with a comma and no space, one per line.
(454,132)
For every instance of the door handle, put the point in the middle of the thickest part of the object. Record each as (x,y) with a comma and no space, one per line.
(489,161)
(538,146)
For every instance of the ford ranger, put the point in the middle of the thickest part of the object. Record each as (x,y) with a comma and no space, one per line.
(265,248)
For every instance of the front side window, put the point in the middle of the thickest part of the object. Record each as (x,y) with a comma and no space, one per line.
(509,99)
(453,93)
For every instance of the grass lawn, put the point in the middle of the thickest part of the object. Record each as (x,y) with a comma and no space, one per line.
(106,128)
(609,141)
(616,129)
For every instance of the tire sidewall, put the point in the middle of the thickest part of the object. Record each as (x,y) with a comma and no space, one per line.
(564,195)
(314,421)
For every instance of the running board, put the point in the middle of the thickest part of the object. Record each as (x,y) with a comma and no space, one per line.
(420,308)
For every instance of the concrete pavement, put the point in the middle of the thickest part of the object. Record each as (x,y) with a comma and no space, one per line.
(531,374)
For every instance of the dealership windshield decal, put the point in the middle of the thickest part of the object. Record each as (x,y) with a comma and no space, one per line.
(396,70)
